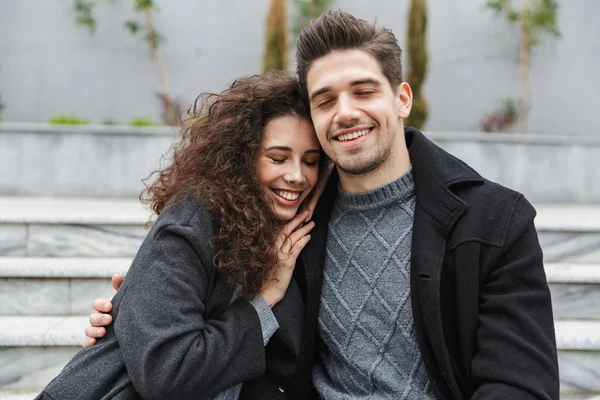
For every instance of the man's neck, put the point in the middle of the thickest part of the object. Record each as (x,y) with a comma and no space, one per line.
(392,169)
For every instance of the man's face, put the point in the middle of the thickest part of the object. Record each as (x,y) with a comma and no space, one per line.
(356,113)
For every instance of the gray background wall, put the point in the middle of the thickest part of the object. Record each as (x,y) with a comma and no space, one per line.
(49,66)
(111,161)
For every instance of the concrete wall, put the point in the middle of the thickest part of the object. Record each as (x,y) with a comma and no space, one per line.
(103,161)
(95,161)
(49,66)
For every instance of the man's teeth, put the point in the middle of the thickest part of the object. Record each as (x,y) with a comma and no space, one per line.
(287,195)
(353,135)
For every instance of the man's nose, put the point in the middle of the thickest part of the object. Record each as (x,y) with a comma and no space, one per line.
(346,111)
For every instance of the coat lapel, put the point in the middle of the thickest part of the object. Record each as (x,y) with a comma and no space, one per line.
(437,211)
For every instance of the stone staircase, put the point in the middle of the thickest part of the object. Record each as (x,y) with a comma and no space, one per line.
(570,238)
(57,255)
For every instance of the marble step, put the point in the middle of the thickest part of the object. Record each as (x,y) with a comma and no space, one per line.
(569,233)
(67,286)
(109,227)
(571,396)
(579,355)
(55,286)
(71,227)
(70,240)
(23,394)
(576,246)
(28,395)
(575,289)
(34,349)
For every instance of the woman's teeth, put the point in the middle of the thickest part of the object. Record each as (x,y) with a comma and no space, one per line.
(353,135)
(287,195)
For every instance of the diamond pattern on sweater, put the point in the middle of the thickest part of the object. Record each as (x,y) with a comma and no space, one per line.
(365,317)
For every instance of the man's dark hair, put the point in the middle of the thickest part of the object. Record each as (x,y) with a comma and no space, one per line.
(338,30)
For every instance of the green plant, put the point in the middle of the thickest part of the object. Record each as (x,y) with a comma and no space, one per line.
(68,119)
(143,121)
(502,119)
(275,57)
(418,58)
(84,16)
(307,10)
(535,18)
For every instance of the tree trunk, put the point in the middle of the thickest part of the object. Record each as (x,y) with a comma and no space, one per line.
(155,55)
(524,67)
(417,61)
(275,57)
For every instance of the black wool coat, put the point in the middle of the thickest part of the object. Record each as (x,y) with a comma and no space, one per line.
(480,299)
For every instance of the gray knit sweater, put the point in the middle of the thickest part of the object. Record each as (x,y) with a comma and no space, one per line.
(365,318)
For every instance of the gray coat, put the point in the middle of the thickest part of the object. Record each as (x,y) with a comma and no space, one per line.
(174,335)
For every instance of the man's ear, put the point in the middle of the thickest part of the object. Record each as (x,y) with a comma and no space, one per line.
(405,97)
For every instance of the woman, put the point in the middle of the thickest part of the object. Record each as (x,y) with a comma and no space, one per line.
(193,316)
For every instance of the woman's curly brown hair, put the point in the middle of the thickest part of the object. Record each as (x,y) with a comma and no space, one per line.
(214,160)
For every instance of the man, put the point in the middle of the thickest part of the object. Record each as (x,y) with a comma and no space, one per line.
(422,279)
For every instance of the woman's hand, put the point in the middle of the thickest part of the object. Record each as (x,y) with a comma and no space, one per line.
(311,203)
(100,318)
(290,242)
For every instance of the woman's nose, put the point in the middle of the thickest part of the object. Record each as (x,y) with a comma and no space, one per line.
(294,177)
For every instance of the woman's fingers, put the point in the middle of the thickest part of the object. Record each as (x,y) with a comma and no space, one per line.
(95,333)
(117,281)
(288,228)
(283,240)
(294,223)
(102,305)
(294,237)
(300,245)
(100,319)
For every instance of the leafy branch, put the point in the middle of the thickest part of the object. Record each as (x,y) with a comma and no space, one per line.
(84,16)
(535,18)
(307,10)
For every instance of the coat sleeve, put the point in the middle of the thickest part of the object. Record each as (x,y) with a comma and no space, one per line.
(516,356)
(169,349)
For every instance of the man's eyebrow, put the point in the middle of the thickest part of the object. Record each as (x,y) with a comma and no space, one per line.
(357,82)
(320,92)
(364,81)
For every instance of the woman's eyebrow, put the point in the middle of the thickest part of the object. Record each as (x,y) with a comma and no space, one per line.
(282,148)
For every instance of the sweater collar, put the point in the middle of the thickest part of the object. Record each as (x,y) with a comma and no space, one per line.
(435,173)
(398,190)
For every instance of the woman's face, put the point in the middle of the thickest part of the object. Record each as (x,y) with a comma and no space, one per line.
(288,163)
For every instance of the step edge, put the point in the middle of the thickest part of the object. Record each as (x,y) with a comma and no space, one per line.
(63,267)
